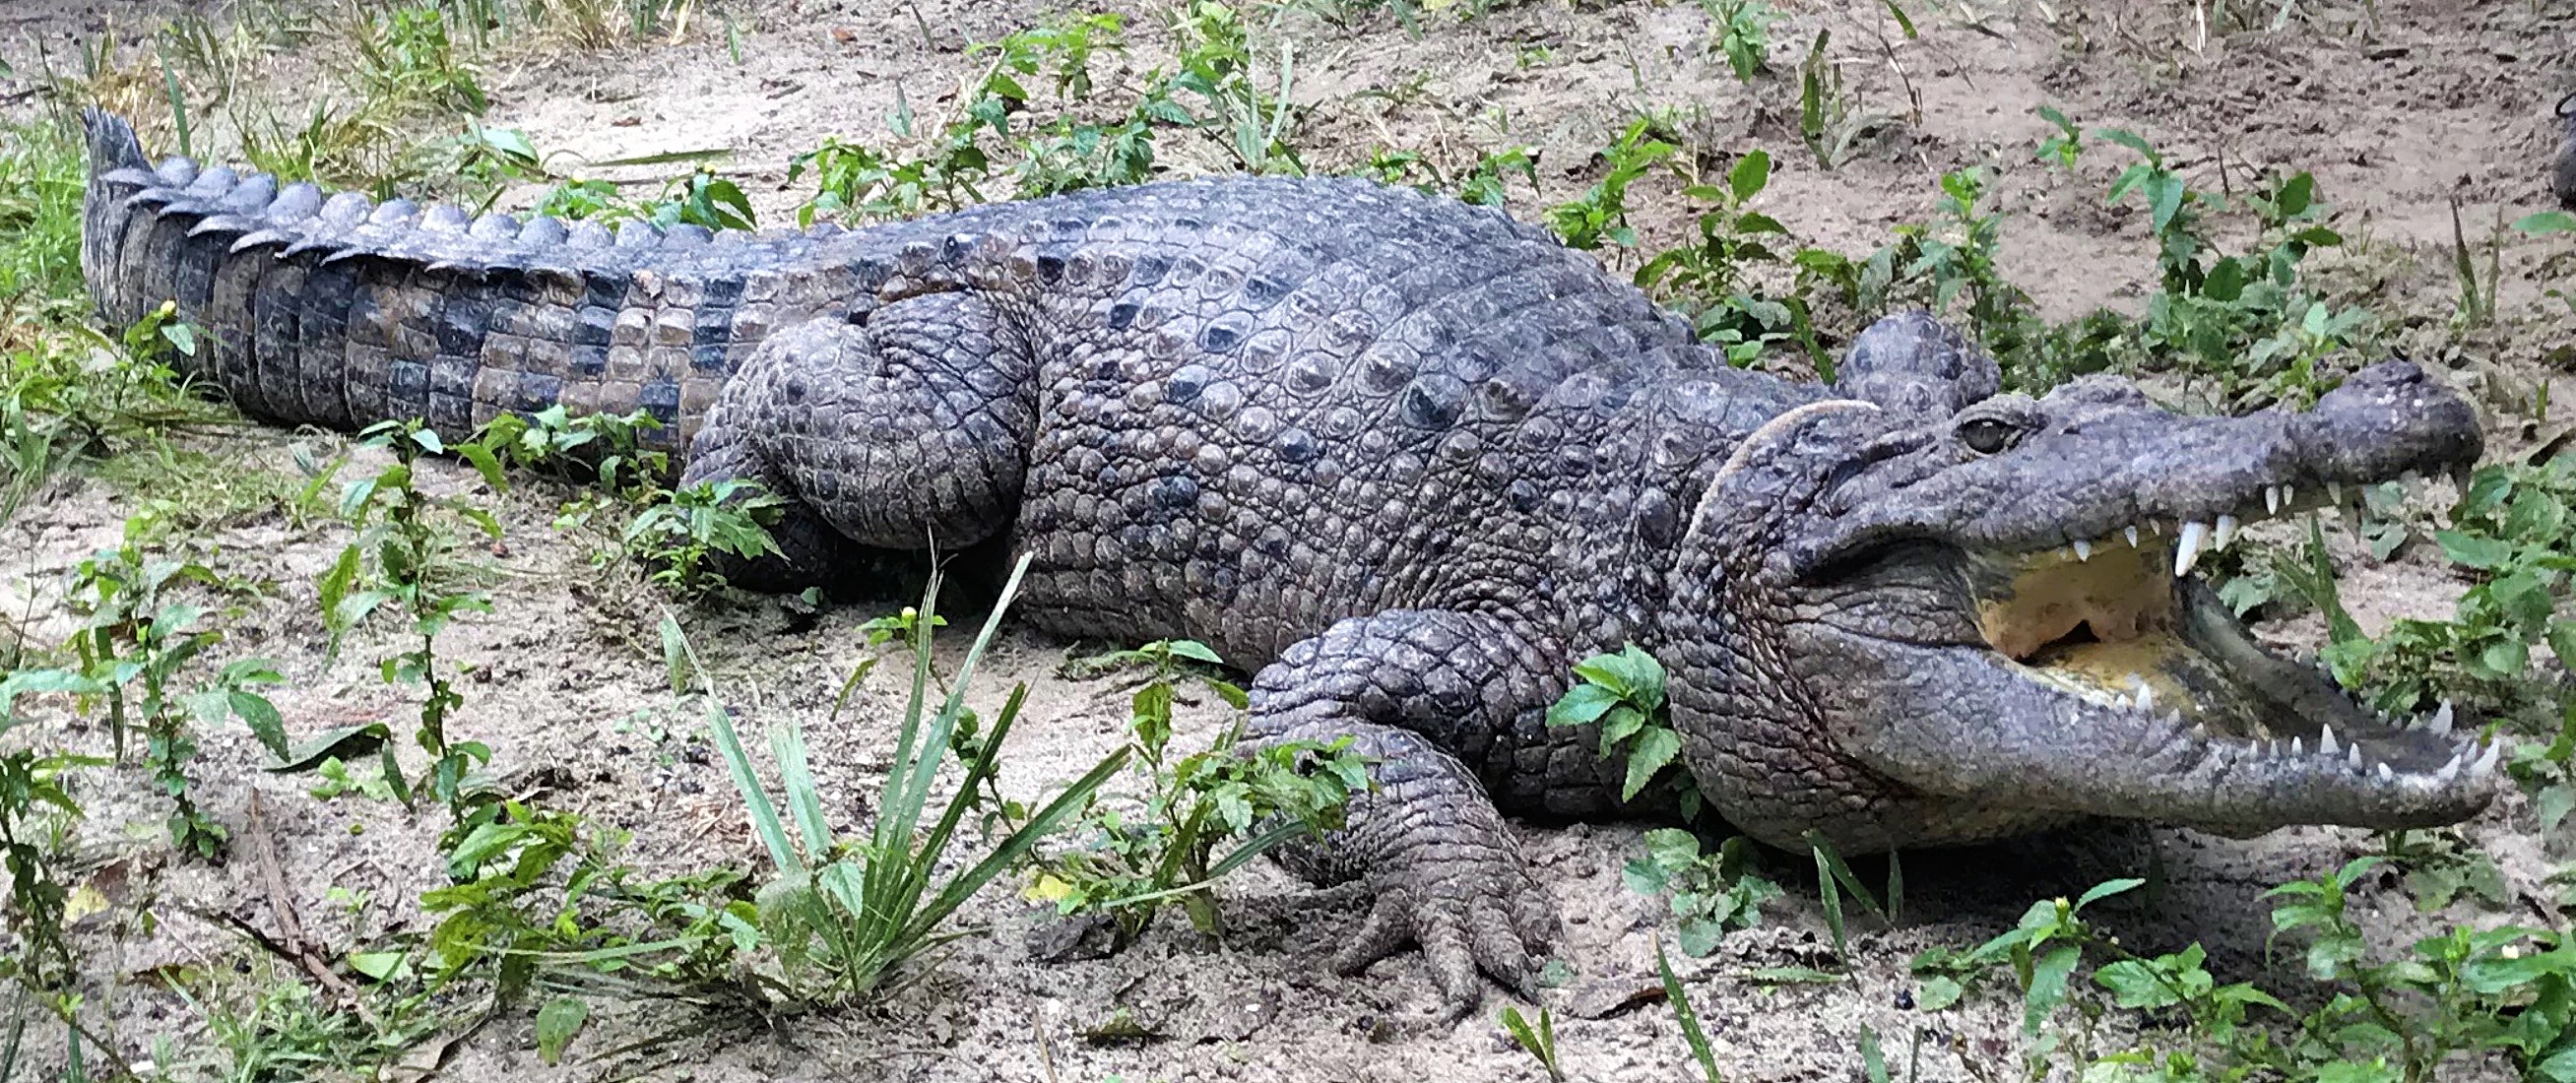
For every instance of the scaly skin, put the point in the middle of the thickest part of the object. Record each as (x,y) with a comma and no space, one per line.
(2562,177)
(1410,460)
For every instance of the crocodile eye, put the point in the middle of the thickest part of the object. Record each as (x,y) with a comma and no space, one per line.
(1987,436)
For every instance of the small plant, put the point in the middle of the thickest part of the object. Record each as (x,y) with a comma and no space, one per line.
(1539,1041)
(2248,321)
(1215,64)
(1710,894)
(844,915)
(2508,990)
(1711,280)
(405,54)
(1741,29)
(1483,185)
(1623,693)
(1834,879)
(1144,857)
(1827,118)
(535,889)
(679,536)
(31,790)
(403,557)
(2063,149)
(606,450)
(1601,215)
(134,644)
(702,198)
(2510,532)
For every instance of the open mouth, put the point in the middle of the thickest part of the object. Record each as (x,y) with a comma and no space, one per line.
(2118,624)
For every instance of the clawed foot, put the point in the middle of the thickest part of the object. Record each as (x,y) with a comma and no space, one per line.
(1468,912)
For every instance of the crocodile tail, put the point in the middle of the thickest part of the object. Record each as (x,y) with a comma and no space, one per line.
(335,310)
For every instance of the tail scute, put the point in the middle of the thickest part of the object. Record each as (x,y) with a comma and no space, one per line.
(112,143)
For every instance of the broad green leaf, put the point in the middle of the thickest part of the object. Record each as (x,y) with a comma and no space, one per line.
(2472,551)
(1581,704)
(1654,748)
(345,742)
(1750,175)
(2108,888)
(557,1022)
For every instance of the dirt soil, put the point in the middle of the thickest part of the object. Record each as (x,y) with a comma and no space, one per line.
(2434,101)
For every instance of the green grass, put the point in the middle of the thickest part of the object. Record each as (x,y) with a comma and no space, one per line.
(43,169)
(846,915)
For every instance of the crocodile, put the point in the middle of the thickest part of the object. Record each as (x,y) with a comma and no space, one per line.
(1406,461)
(2562,173)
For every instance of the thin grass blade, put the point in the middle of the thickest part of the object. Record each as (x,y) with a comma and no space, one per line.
(1013,849)
(764,817)
(933,745)
(787,743)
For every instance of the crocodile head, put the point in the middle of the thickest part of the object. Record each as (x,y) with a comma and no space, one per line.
(1954,619)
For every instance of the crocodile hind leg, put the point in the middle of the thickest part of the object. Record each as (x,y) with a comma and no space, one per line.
(906,428)
(1415,690)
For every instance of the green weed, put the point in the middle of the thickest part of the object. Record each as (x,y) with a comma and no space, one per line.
(2510,990)
(2247,321)
(680,535)
(1687,1017)
(1829,119)
(1486,184)
(135,642)
(1601,215)
(2510,534)
(536,890)
(1139,858)
(404,558)
(1711,281)
(844,916)
(1623,694)
(32,791)
(1741,30)
(43,174)
(1539,1041)
(1710,894)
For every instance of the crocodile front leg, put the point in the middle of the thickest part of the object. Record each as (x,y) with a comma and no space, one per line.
(1416,689)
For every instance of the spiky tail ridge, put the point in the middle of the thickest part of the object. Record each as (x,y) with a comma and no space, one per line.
(335,310)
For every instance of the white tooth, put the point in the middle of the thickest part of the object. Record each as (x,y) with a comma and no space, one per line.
(2334,492)
(2384,773)
(2083,549)
(2132,531)
(2271,500)
(2146,698)
(2451,770)
(2353,756)
(2187,548)
(2441,723)
(2298,746)
(2200,730)
(2226,532)
(2487,762)
(2326,741)
(2289,495)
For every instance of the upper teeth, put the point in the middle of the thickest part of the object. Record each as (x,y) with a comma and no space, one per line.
(2187,547)
(2192,537)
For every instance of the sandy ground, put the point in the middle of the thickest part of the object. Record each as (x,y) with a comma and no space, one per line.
(2439,100)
